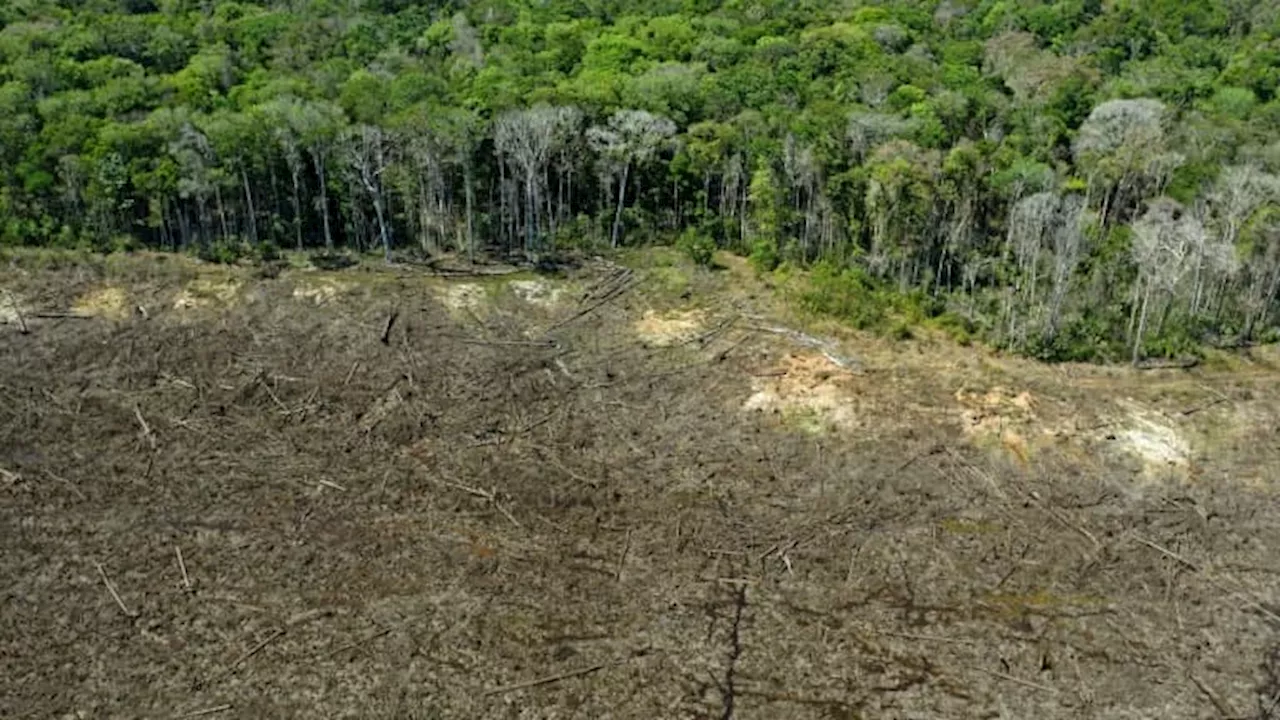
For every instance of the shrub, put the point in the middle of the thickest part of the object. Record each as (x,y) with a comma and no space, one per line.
(268,252)
(849,294)
(764,256)
(223,252)
(956,326)
(698,247)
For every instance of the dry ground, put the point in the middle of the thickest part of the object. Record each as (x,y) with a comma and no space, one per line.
(616,494)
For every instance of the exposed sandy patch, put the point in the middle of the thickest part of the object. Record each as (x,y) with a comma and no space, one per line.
(811,385)
(461,297)
(992,412)
(1003,416)
(670,328)
(111,303)
(1153,440)
(204,293)
(11,308)
(320,292)
(538,292)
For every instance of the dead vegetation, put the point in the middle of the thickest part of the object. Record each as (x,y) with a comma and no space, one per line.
(275,503)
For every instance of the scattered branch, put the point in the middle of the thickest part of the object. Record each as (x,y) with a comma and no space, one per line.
(146,429)
(206,711)
(386,329)
(548,679)
(111,588)
(622,557)
(1014,679)
(186,579)
(250,653)
(1224,709)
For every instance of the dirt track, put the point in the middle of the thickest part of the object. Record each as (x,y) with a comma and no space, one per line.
(517,506)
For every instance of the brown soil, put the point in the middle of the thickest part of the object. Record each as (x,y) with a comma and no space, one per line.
(473,520)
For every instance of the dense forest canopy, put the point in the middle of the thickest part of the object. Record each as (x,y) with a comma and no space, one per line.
(1084,178)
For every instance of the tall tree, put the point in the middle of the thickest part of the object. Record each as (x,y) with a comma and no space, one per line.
(630,139)
(368,155)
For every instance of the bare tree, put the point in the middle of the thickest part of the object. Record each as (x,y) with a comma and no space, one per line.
(1164,242)
(1242,207)
(1123,149)
(869,129)
(466,41)
(283,114)
(1068,247)
(804,181)
(528,138)
(1030,221)
(367,155)
(1027,70)
(631,138)
(1044,229)
(194,156)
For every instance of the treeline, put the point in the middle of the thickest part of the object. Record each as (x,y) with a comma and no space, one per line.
(1073,179)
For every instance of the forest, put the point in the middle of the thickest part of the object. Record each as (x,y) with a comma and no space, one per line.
(1073,180)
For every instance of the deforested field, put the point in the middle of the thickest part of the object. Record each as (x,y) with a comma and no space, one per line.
(621,490)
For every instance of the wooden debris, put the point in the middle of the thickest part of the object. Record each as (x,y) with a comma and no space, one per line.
(206,711)
(1222,706)
(186,579)
(547,680)
(622,558)
(248,654)
(111,588)
(146,429)
(386,329)
(1014,679)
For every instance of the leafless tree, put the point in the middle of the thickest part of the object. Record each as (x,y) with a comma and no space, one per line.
(1045,229)
(804,181)
(466,44)
(1031,73)
(874,90)
(368,157)
(1243,210)
(528,138)
(631,138)
(283,114)
(869,129)
(1030,221)
(1068,240)
(194,156)
(1165,239)
(892,38)
(1123,149)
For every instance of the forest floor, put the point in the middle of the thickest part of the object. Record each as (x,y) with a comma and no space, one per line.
(631,490)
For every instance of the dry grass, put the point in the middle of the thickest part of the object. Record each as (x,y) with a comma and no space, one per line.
(475,519)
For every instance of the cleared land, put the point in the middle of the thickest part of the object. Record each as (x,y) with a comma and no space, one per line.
(614,493)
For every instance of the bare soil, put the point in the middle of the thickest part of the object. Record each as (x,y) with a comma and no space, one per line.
(225,494)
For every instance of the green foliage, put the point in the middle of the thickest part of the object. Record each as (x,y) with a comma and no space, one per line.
(764,255)
(892,140)
(854,296)
(956,326)
(225,252)
(699,247)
